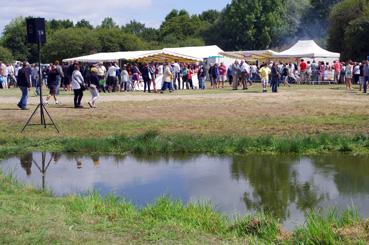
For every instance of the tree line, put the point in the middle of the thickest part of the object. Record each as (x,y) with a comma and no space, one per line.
(242,25)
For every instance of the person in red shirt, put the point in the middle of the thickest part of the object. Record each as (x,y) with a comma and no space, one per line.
(303,71)
(337,69)
(222,74)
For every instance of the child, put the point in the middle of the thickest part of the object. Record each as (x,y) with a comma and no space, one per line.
(264,74)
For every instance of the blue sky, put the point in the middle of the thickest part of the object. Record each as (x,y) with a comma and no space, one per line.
(150,12)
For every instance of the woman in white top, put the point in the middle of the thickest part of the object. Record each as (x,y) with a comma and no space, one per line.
(77,84)
(167,79)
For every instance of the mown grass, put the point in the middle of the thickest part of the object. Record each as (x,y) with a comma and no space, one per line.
(29,216)
(152,142)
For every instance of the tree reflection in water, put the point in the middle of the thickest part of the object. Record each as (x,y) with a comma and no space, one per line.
(275,184)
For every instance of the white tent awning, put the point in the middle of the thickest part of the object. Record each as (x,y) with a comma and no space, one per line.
(307,49)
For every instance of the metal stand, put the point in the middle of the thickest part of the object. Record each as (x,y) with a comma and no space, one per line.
(40,105)
(43,167)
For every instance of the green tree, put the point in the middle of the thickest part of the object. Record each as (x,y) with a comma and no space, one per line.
(6,55)
(210,16)
(72,42)
(14,38)
(84,24)
(179,26)
(113,40)
(348,18)
(108,23)
(54,25)
(356,39)
(249,24)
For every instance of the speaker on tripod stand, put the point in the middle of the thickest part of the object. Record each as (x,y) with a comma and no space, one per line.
(36,34)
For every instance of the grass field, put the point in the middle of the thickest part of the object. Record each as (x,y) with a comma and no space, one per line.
(305,110)
(299,119)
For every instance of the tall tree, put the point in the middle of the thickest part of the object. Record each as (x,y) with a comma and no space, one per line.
(5,55)
(66,43)
(108,23)
(14,38)
(249,24)
(347,20)
(84,24)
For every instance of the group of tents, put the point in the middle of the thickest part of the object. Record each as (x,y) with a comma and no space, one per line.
(302,49)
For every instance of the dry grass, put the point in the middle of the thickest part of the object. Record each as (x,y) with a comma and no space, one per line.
(297,110)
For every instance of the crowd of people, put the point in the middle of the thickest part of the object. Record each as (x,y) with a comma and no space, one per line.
(159,77)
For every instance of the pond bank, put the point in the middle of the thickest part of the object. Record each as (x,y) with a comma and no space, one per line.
(152,142)
(33,216)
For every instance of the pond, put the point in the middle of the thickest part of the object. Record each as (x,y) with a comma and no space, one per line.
(286,186)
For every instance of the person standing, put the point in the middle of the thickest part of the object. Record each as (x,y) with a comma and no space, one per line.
(275,78)
(3,75)
(52,84)
(366,76)
(77,86)
(24,84)
(146,77)
(152,69)
(215,76)
(356,73)
(222,74)
(337,70)
(101,71)
(124,77)
(245,74)
(93,84)
(111,77)
(202,76)
(264,75)
(59,76)
(167,79)
(176,75)
(303,68)
(235,74)
(348,76)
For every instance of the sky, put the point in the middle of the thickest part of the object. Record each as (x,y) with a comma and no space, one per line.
(149,12)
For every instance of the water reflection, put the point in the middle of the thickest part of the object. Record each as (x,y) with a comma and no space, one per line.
(286,186)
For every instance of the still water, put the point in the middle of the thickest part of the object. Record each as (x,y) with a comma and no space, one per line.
(286,186)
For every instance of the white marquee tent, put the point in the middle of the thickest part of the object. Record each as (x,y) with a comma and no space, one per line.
(307,49)
(188,53)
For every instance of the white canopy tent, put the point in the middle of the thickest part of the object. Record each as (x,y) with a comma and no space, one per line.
(200,52)
(187,53)
(111,56)
(307,49)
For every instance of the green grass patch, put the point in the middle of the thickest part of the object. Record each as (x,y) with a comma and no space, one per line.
(30,216)
(152,142)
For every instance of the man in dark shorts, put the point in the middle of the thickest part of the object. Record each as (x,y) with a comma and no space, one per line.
(52,84)
(24,84)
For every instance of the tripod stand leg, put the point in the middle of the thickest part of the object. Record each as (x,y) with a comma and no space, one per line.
(43,108)
(29,119)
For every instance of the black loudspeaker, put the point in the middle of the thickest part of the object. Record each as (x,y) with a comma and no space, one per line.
(36,30)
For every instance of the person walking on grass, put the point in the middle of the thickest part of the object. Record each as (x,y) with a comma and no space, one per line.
(52,84)
(264,74)
(366,76)
(348,76)
(222,75)
(167,79)
(146,76)
(77,86)
(93,84)
(275,78)
(201,73)
(24,84)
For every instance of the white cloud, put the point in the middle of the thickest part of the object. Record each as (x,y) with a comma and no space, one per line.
(92,10)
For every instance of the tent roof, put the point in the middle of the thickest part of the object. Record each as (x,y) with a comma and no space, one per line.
(166,56)
(112,56)
(201,52)
(307,49)
(250,54)
(189,53)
